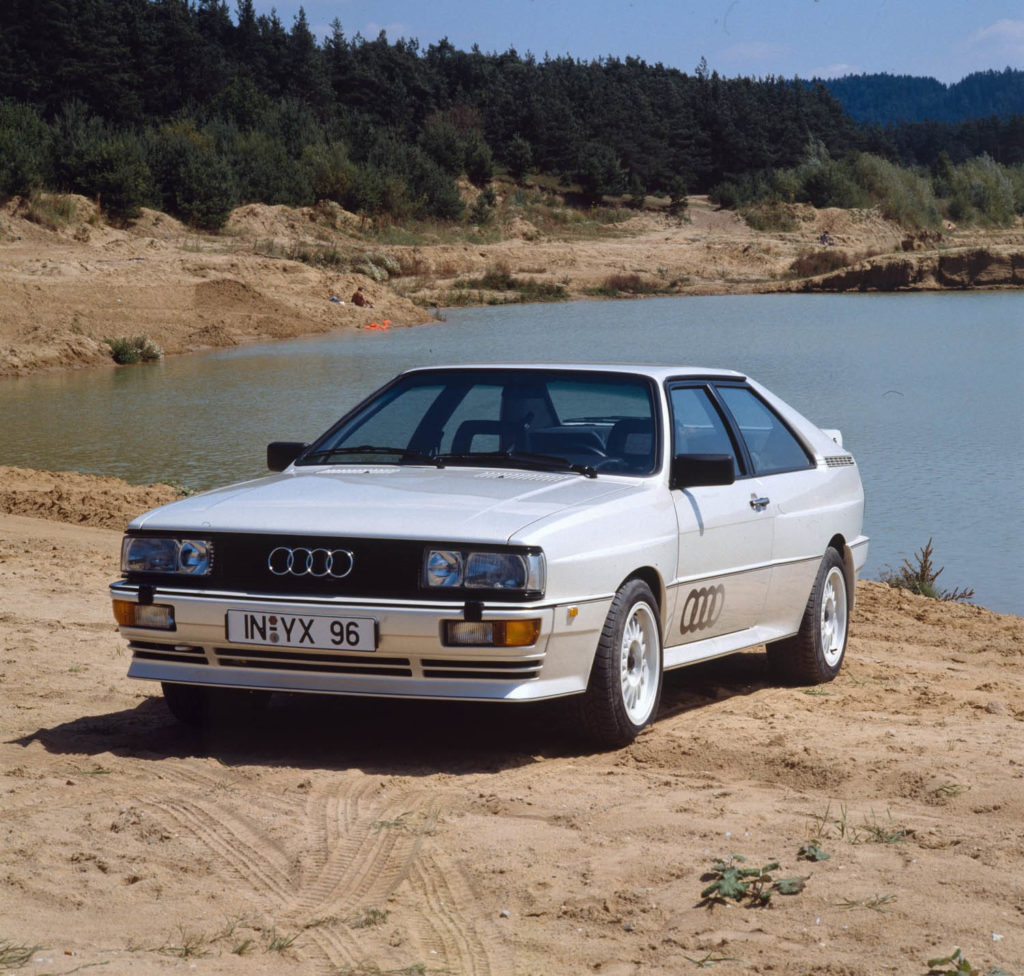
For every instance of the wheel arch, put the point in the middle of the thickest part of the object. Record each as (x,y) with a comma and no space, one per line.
(838,542)
(650,576)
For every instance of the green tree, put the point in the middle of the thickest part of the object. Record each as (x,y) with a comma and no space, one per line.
(479,163)
(599,172)
(24,149)
(518,157)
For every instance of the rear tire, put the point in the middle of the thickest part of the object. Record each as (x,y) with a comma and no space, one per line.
(815,654)
(625,681)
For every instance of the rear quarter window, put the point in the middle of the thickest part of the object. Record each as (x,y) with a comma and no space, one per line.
(772,446)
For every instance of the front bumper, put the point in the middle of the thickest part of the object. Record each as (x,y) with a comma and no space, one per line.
(410,660)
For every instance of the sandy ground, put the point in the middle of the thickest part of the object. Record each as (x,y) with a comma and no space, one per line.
(347,837)
(64,290)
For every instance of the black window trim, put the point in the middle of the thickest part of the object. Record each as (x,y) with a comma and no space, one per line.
(734,424)
(426,373)
(708,384)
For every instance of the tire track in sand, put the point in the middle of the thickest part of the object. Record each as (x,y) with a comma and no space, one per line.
(447,926)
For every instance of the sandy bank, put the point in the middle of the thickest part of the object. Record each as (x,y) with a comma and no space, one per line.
(65,289)
(360,837)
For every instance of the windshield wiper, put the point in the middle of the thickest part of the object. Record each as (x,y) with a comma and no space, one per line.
(403,452)
(521,459)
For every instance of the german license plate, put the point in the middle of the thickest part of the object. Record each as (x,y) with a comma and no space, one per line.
(314,631)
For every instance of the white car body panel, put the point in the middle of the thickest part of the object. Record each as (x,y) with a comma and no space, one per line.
(458,504)
(727,575)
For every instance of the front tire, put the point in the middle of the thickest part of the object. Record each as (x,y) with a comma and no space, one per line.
(625,682)
(197,706)
(815,654)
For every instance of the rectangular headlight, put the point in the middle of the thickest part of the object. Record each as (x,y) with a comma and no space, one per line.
(517,571)
(144,554)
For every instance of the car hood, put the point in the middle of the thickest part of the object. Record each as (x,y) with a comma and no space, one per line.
(450,504)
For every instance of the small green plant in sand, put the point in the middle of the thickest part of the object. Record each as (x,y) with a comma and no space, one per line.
(812,851)
(730,880)
(956,964)
(920,575)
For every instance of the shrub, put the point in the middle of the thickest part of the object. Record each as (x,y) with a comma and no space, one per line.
(134,349)
(626,284)
(830,185)
(329,171)
(771,216)
(920,576)
(982,191)
(809,264)
(902,194)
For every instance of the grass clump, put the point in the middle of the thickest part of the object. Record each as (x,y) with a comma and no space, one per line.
(869,831)
(15,954)
(54,211)
(367,918)
(499,278)
(920,577)
(127,350)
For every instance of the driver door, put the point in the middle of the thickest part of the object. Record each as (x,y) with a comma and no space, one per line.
(725,531)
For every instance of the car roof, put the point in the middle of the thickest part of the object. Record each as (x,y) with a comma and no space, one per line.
(661,373)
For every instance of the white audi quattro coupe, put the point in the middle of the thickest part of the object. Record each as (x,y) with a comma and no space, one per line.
(513,533)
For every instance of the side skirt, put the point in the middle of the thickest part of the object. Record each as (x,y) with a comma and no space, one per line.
(682,654)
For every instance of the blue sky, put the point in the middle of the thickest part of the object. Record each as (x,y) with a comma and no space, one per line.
(944,39)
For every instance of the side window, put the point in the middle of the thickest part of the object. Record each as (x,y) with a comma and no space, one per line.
(772,447)
(697,426)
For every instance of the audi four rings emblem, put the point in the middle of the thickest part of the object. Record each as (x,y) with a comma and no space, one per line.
(702,608)
(319,563)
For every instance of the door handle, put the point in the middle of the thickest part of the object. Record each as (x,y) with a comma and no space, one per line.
(758,504)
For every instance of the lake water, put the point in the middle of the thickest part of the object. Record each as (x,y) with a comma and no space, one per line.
(926,389)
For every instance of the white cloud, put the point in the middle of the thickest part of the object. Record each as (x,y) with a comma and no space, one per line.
(1000,44)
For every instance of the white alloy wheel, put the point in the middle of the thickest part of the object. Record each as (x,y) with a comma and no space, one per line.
(639,663)
(625,680)
(834,617)
(815,653)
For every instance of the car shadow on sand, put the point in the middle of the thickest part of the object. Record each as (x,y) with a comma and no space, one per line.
(382,736)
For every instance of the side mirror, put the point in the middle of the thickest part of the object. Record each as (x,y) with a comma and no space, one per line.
(697,470)
(281,453)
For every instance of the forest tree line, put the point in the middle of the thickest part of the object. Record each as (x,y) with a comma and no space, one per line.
(188,107)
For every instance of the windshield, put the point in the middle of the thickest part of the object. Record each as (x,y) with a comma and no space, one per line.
(588,422)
